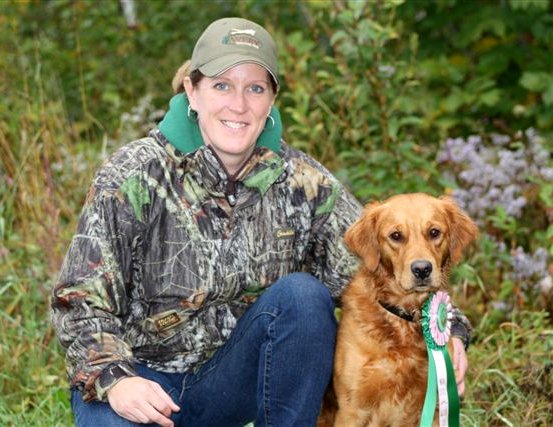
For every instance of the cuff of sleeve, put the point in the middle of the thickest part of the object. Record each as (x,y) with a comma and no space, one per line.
(459,330)
(111,376)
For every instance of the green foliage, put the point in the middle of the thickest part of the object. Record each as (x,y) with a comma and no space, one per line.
(372,89)
(489,67)
(356,115)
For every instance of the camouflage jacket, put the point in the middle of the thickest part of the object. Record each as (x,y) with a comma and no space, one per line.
(169,252)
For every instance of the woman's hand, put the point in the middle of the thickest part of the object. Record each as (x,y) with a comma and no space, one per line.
(142,401)
(460,364)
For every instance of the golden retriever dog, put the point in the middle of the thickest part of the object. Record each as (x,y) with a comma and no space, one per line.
(406,245)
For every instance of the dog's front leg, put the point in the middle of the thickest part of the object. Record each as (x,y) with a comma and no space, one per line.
(350,417)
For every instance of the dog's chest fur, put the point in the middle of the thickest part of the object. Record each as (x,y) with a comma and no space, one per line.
(389,364)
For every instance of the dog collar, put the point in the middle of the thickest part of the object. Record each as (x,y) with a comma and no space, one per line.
(398,311)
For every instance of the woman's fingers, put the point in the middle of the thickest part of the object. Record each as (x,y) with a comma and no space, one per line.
(140,400)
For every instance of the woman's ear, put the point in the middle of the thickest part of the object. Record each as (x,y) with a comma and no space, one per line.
(190,91)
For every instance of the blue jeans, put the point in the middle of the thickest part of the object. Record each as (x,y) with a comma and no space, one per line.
(273,370)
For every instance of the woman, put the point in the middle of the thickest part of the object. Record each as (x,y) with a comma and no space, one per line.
(198,289)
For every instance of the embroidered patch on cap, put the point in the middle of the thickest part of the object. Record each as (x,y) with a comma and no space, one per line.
(242,37)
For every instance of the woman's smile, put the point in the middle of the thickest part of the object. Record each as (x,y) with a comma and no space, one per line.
(234,124)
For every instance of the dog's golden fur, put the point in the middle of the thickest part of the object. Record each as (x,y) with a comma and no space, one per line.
(406,245)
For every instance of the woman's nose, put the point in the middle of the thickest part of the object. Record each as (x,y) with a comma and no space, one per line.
(238,102)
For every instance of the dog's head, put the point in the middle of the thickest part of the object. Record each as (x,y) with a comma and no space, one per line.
(412,238)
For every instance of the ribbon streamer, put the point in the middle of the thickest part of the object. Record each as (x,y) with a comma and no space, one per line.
(441,385)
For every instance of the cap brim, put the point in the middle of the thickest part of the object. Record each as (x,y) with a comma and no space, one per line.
(221,64)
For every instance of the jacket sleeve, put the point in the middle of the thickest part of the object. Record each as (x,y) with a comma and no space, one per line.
(332,262)
(91,295)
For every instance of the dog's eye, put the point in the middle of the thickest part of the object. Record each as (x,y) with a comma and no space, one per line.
(434,233)
(396,236)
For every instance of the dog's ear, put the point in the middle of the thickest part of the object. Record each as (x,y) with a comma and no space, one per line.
(361,237)
(463,229)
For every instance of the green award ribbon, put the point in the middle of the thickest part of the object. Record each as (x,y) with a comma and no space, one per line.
(441,385)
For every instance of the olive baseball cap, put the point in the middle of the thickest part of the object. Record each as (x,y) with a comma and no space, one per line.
(231,41)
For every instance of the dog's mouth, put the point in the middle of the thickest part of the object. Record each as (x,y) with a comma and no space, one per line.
(421,286)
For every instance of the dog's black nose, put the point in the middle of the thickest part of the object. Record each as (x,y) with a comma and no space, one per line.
(421,269)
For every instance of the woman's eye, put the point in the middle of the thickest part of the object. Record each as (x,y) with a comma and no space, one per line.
(257,89)
(221,86)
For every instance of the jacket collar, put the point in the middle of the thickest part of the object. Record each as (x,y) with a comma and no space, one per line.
(184,133)
(263,168)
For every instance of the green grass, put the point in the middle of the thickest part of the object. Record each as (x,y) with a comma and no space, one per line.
(511,373)
(32,380)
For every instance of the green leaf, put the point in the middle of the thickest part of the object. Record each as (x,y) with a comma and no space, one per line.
(357,7)
(390,4)
(488,22)
(528,4)
(490,98)
(369,30)
(454,101)
(548,94)
(535,81)
(339,37)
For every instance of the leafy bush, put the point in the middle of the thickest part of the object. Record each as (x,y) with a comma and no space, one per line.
(489,67)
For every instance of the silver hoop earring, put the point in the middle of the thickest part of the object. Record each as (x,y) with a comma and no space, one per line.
(192,115)
(272,123)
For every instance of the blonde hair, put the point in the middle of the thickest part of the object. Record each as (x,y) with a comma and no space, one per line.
(182,72)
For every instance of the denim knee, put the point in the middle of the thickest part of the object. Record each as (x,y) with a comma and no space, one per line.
(304,286)
(305,294)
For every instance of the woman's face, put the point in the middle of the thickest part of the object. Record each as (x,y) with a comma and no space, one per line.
(232,110)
